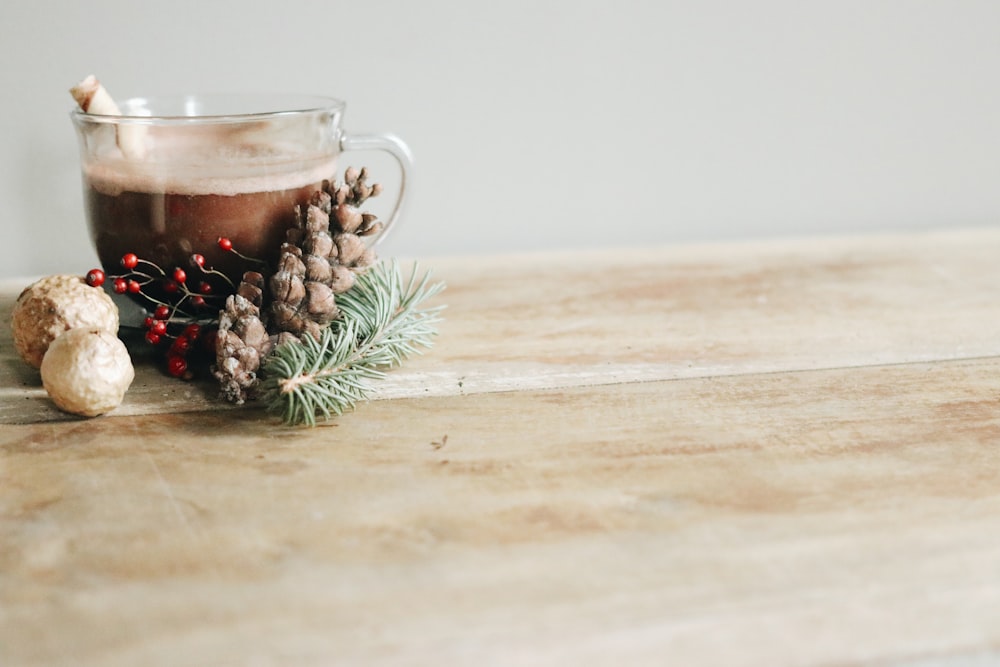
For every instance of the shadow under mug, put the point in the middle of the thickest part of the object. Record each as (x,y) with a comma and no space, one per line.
(171,175)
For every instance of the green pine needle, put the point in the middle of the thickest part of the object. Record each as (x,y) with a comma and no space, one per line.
(381,324)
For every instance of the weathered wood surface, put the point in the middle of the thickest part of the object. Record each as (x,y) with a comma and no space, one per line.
(766,454)
(574,319)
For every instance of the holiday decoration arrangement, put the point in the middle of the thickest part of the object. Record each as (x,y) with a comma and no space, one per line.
(305,337)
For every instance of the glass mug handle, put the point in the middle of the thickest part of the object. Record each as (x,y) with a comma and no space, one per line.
(394,146)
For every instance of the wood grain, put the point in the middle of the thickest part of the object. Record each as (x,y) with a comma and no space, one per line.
(778,502)
(576,319)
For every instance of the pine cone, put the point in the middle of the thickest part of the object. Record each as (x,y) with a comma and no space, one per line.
(322,255)
(242,341)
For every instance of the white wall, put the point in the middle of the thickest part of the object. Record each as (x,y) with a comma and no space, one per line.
(553,124)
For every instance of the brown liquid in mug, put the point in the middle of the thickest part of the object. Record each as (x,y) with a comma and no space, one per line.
(168,221)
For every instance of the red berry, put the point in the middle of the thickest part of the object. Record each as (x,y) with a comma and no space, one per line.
(121,286)
(161,313)
(176,366)
(225,244)
(134,287)
(204,288)
(159,327)
(152,338)
(170,287)
(181,346)
(130,260)
(197,260)
(192,331)
(95,277)
(148,322)
(197,301)
(180,276)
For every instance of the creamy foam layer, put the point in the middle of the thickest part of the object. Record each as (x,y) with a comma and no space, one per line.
(216,158)
(220,178)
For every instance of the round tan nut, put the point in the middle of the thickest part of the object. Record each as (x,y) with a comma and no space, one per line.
(87,371)
(54,304)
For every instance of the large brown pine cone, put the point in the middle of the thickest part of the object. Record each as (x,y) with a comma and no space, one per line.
(322,255)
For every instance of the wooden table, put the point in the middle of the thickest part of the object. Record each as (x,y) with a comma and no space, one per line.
(784,453)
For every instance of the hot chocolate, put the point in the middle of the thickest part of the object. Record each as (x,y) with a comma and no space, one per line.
(167,215)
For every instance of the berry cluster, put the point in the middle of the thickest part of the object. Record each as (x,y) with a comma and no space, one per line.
(183,321)
(148,280)
(186,346)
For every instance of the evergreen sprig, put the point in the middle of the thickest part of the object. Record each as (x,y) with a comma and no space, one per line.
(381,324)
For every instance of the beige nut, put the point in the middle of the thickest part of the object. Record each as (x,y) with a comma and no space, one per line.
(54,304)
(87,371)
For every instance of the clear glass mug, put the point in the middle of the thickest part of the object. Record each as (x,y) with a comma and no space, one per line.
(171,175)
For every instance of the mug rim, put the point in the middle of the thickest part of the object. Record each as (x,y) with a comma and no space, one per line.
(262,105)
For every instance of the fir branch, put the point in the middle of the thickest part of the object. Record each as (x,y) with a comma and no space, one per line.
(381,324)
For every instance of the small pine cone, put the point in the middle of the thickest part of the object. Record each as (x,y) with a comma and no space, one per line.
(242,342)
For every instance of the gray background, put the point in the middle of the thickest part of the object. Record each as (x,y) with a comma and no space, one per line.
(540,125)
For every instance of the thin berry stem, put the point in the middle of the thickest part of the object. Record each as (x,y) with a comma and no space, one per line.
(249,259)
(213,272)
